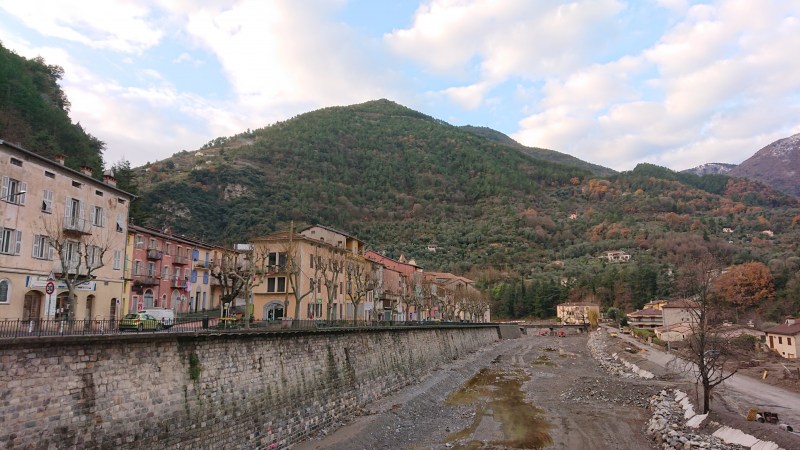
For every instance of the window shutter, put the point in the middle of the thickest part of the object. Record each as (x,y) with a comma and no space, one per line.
(93,215)
(4,191)
(49,249)
(24,189)
(194,276)
(205,278)
(18,244)
(80,210)
(68,209)
(195,255)
(38,252)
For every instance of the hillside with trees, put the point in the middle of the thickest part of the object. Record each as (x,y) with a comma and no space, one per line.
(34,113)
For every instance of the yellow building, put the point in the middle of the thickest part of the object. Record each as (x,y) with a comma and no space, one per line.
(324,266)
(57,222)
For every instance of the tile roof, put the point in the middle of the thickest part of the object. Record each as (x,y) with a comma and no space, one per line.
(645,312)
(784,329)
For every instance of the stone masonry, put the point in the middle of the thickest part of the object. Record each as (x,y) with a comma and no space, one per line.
(234,390)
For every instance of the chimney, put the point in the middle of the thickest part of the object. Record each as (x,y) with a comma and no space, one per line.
(791,321)
(86,170)
(108,178)
(59,159)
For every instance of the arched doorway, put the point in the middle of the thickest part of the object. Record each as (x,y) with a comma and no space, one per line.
(175,300)
(89,307)
(148,298)
(32,307)
(62,305)
(273,311)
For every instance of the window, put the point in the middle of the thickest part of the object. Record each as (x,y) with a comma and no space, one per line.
(98,193)
(10,241)
(117,259)
(205,279)
(121,201)
(139,241)
(94,256)
(76,184)
(277,260)
(47,201)
(195,255)
(789,340)
(120,223)
(165,272)
(13,191)
(98,217)
(780,340)
(49,174)
(41,247)
(16,162)
(168,249)
(5,287)
(137,267)
(311,262)
(276,284)
(194,276)
(153,245)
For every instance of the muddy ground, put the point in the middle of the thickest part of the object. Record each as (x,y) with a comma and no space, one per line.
(532,392)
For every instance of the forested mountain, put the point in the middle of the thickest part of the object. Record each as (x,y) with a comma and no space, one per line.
(530,229)
(538,153)
(530,224)
(34,113)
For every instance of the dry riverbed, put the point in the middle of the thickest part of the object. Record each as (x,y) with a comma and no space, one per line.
(527,393)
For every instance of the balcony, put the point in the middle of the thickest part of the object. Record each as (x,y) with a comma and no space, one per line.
(202,264)
(180,260)
(179,283)
(154,254)
(76,225)
(146,279)
(72,268)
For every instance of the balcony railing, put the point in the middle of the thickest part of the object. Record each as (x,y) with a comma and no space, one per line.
(154,254)
(202,264)
(77,225)
(72,267)
(180,260)
(146,279)
(179,283)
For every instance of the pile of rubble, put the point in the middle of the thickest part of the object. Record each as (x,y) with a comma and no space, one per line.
(668,426)
(611,363)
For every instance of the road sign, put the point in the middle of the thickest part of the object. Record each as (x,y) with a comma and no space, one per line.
(50,287)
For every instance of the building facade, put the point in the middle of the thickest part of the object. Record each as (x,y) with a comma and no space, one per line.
(168,271)
(58,223)
(576,313)
(783,339)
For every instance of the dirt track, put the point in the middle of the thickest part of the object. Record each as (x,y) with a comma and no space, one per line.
(532,392)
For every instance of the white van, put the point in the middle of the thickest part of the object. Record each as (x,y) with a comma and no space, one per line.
(166,316)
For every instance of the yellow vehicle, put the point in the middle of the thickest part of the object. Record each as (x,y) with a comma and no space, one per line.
(613,334)
(140,321)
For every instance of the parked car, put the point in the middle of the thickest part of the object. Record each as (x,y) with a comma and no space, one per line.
(140,321)
(166,316)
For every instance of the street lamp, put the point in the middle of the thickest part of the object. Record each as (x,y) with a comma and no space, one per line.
(13,194)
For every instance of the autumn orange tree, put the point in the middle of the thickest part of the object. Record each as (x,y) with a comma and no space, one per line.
(745,285)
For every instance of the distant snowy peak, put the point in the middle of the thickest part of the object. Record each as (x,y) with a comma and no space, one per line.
(711,169)
(777,165)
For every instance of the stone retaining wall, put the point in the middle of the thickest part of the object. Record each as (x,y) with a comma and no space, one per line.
(208,391)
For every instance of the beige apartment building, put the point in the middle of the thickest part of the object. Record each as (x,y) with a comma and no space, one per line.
(317,258)
(43,202)
(576,313)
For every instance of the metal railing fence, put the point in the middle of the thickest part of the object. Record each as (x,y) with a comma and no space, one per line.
(19,328)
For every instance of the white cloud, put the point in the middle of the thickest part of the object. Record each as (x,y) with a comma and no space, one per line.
(124,26)
(719,94)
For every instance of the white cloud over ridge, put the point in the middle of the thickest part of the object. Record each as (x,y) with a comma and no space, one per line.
(700,82)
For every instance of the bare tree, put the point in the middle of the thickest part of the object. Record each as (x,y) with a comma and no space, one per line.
(706,353)
(330,265)
(294,272)
(237,272)
(360,280)
(80,248)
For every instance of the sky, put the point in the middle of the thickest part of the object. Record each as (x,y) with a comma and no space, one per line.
(676,83)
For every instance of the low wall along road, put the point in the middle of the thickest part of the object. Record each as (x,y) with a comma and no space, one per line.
(264,390)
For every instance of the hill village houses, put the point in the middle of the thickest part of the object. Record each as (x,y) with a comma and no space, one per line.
(134,267)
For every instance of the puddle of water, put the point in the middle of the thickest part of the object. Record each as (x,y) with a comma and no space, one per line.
(543,361)
(498,399)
